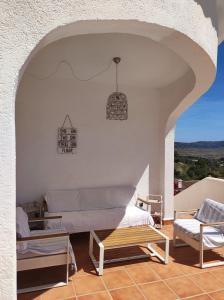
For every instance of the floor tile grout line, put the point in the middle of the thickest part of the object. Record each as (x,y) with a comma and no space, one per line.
(180,275)
(105,286)
(136,285)
(212,297)
(85,294)
(95,292)
(164,281)
(155,272)
(210,271)
(190,297)
(160,279)
(114,289)
(201,287)
(219,290)
(100,291)
(90,293)
(122,287)
(203,291)
(74,289)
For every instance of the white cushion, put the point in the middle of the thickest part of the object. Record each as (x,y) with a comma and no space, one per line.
(63,200)
(212,237)
(22,227)
(106,197)
(81,221)
(210,212)
(90,198)
(189,226)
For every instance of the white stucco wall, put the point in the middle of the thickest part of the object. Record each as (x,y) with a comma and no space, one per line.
(192,197)
(109,152)
(25,23)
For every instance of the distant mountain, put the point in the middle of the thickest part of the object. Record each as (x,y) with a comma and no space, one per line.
(200,145)
(201,149)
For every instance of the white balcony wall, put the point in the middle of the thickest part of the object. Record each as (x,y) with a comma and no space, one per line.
(192,197)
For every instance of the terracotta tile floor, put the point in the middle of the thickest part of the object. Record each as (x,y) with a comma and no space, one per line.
(134,280)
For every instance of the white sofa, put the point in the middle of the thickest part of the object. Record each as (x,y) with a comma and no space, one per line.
(95,208)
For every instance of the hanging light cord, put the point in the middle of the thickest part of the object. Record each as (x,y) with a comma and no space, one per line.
(65,62)
(116,77)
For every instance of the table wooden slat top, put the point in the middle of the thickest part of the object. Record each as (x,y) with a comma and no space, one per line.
(127,236)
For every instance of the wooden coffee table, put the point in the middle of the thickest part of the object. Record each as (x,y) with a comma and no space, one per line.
(124,237)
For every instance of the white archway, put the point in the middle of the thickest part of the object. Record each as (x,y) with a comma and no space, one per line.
(153,19)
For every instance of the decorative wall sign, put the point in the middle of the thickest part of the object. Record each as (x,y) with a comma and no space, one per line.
(117,107)
(67,138)
(117,103)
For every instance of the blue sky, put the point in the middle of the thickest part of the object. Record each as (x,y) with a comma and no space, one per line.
(204,120)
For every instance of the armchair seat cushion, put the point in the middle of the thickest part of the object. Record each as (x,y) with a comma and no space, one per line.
(212,237)
(52,246)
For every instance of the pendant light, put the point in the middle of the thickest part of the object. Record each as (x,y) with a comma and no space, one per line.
(117,104)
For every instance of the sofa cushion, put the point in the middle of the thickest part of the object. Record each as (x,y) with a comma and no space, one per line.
(86,220)
(212,237)
(90,198)
(62,200)
(106,197)
(211,211)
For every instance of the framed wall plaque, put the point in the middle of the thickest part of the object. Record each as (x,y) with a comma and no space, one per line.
(67,138)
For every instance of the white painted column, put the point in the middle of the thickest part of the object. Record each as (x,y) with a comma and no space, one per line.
(169,175)
(7,185)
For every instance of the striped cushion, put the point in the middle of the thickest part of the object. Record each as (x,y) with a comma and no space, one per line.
(210,212)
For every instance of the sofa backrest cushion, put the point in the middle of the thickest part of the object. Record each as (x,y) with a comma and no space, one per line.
(107,197)
(211,211)
(90,198)
(62,200)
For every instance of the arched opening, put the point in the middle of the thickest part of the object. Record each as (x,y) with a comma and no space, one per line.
(133,152)
(48,91)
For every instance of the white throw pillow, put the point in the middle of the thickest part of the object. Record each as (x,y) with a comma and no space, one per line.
(107,197)
(22,228)
(62,200)
(211,212)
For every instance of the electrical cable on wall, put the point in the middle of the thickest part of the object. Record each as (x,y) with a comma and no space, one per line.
(65,62)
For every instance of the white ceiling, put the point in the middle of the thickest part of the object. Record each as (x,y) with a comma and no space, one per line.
(144,62)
